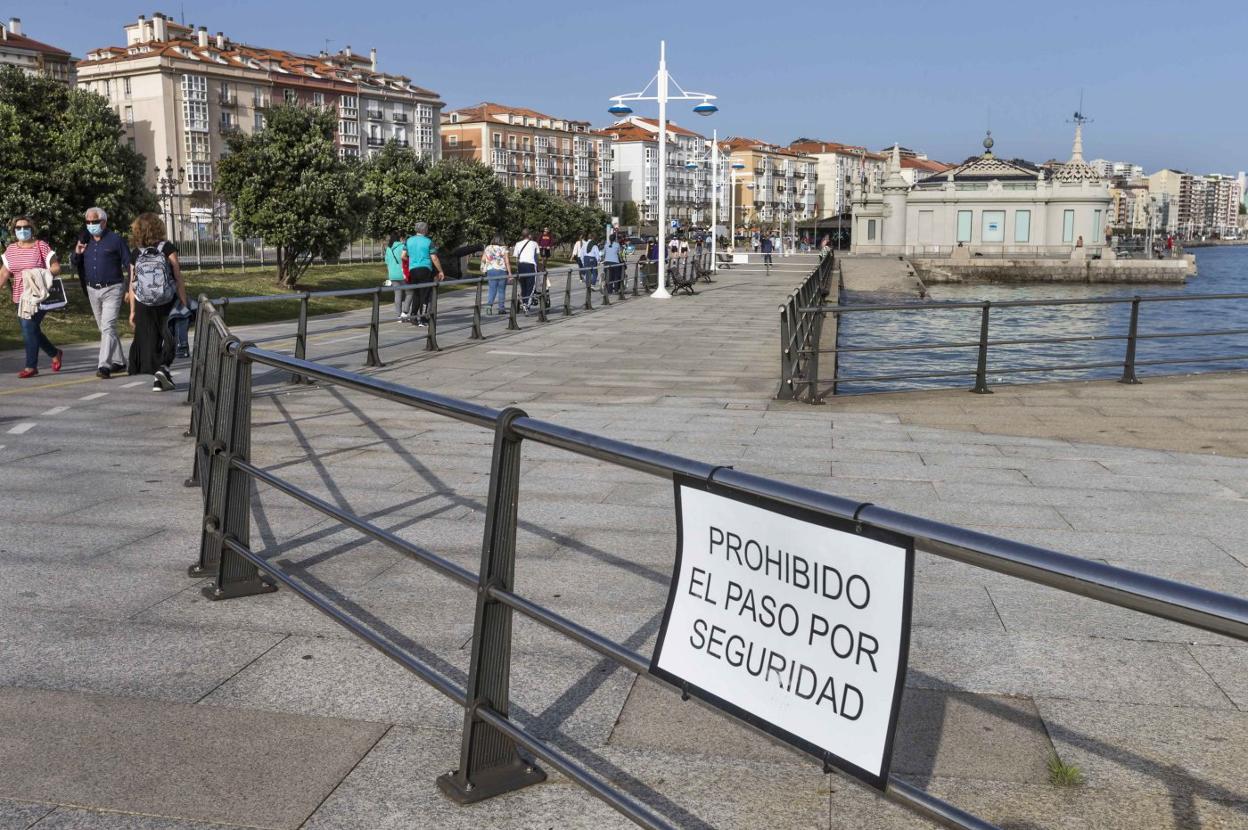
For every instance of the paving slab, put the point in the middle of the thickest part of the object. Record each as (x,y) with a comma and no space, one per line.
(19,815)
(258,769)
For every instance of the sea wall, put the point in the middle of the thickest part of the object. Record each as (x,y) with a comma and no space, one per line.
(1006,271)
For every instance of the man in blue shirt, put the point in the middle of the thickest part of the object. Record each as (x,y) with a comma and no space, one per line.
(102,261)
(422,259)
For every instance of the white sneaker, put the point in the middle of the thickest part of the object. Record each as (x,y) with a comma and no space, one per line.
(164,379)
(403,318)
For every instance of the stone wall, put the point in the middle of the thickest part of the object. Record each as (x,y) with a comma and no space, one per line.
(981,271)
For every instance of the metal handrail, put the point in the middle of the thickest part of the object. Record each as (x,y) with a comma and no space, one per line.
(221,427)
(795,336)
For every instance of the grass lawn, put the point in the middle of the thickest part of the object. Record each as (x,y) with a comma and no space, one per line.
(75,324)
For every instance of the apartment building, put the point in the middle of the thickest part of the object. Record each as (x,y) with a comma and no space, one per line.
(1215,204)
(180,92)
(529,149)
(689,185)
(1134,208)
(773,184)
(1177,186)
(33,56)
(1117,169)
(838,168)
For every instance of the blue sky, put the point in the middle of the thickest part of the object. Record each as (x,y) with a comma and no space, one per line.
(1163,81)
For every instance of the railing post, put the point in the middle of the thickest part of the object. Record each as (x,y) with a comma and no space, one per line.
(476,314)
(812,361)
(636,277)
(981,367)
(606,280)
(301,336)
(1128,366)
(490,763)
(203,408)
(227,511)
(543,296)
(514,305)
(431,332)
(374,332)
(623,272)
(567,294)
(192,388)
(785,392)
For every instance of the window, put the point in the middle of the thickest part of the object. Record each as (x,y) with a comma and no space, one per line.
(290,96)
(992,226)
(108,88)
(1096,222)
(497,138)
(125,82)
(199,175)
(318,99)
(195,102)
(258,122)
(964,226)
(1068,226)
(511,142)
(196,146)
(129,115)
(870,227)
(349,128)
(350,105)
(399,134)
(1022,226)
(452,141)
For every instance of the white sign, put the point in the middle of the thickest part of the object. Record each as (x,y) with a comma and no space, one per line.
(740,259)
(791,620)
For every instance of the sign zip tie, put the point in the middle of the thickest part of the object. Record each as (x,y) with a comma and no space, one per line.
(710,477)
(857,513)
(684,691)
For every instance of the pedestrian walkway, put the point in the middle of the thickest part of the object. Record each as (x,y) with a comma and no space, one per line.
(260,712)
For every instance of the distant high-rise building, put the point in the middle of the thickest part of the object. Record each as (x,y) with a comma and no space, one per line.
(33,56)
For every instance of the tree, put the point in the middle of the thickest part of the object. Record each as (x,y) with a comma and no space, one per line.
(63,151)
(629,215)
(287,185)
(462,201)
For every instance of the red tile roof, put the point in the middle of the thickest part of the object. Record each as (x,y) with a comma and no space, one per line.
(813,147)
(487,110)
(925,165)
(23,42)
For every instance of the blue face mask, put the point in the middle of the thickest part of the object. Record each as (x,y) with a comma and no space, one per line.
(23,234)
(95,228)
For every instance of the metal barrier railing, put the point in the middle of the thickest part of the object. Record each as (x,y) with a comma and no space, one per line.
(683,273)
(800,332)
(497,753)
(809,315)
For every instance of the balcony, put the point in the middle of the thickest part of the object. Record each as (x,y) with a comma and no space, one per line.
(400,118)
(261,103)
(375,141)
(227,99)
(375,115)
(343,138)
(228,127)
(402,142)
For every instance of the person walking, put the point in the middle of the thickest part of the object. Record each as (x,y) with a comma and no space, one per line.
(765,245)
(590,255)
(613,263)
(525,252)
(545,244)
(155,283)
(422,262)
(394,255)
(24,254)
(103,262)
(496,265)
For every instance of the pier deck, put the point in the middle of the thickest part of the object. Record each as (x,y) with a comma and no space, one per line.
(129,701)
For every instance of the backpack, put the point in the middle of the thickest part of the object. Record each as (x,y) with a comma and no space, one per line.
(153,278)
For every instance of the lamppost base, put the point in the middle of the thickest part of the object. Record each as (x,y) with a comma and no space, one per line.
(661,294)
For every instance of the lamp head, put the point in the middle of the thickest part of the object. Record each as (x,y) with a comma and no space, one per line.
(706,108)
(620,108)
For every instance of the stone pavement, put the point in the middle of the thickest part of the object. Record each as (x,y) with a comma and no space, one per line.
(126,700)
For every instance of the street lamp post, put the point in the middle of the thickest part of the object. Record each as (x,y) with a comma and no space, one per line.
(662,96)
(167,187)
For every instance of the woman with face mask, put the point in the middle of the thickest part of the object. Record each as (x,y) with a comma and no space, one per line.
(27,253)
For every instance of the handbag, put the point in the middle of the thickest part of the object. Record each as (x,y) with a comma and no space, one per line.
(56,296)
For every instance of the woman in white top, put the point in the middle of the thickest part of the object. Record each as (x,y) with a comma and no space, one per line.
(496,265)
(590,255)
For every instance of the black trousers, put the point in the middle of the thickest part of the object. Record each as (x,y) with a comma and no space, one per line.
(420,296)
(154,345)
